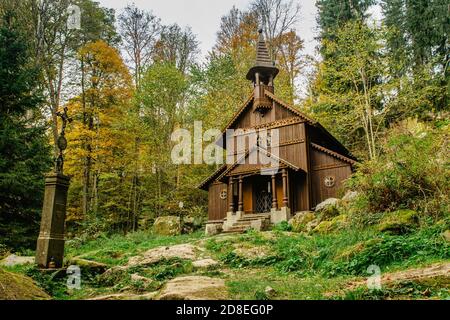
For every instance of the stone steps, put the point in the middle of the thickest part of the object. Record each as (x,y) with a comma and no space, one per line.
(246,221)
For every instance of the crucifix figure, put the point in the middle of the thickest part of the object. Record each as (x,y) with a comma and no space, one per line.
(62,142)
(50,243)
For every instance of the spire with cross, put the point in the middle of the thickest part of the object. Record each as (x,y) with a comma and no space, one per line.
(264,65)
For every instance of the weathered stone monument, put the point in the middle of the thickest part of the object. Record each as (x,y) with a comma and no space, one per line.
(50,243)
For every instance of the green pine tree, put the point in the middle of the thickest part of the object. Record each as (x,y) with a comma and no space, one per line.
(24,148)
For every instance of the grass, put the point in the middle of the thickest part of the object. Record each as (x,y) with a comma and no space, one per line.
(434,288)
(251,285)
(297,266)
(346,253)
(115,250)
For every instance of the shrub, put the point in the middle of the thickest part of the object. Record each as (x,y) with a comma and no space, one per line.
(282,226)
(411,172)
(391,249)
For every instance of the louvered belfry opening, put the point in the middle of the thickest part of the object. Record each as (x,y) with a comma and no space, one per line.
(262,74)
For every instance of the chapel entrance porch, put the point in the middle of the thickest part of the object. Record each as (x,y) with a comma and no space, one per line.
(260,199)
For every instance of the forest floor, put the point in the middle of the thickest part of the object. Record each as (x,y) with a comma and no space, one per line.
(254,265)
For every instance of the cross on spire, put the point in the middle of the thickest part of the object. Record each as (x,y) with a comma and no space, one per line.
(264,65)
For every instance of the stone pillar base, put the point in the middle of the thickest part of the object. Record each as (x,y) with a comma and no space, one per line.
(277,216)
(213,228)
(50,244)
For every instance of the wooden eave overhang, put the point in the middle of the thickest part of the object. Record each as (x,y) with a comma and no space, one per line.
(333,154)
(311,122)
(205,183)
(247,153)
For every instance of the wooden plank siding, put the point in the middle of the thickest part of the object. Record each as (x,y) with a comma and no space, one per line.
(323,165)
(250,118)
(217,207)
(300,151)
(299,193)
(291,146)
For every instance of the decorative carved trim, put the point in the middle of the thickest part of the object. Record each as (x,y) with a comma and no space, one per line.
(326,167)
(281,144)
(239,112)
(239,160)
(211,177)
(332,153)
(290,142)
(246,173)
(289,107)
(270,125)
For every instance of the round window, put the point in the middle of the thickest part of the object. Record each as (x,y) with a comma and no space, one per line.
(329,181)
(223,194)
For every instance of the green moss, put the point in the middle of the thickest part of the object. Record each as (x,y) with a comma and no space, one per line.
(334,224)
(300,221)
(399,222)
(19,287)
(329,212)
(323,227)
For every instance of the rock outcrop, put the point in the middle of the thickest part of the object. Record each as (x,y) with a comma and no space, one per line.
(167,226)
(13,260)
(194,288)
(19,287)
(399,222)
(88,265)
(300,221)
(152,256)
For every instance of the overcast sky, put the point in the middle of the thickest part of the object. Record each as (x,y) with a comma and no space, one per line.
(203,16)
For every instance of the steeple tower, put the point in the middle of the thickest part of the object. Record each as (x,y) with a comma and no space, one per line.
(262,75)
(264,68)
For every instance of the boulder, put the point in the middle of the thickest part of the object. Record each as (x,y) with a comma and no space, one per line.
(88,265)
(167,226)
(13,260)
(328,209)
(152,256)
(323,227)
(19,287)
(138,278)
(270,292)
(311,225)
(349,196)
(330,202)
(339,222)
(127,296)
(114,275)
(398,222)
(194,288)
(249,251)
(328,226)
(191,224)
(446,235)
(300,220)
(204,263)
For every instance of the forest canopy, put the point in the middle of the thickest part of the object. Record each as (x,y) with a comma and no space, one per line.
(129,81)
